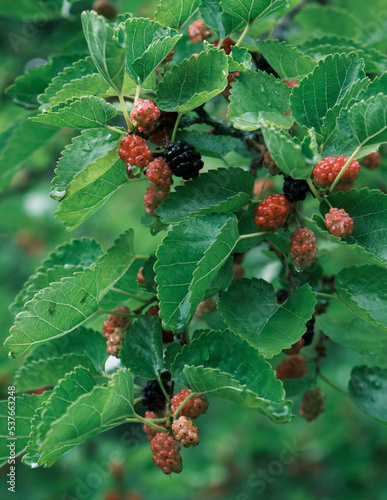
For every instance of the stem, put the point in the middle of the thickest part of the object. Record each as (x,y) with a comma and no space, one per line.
(127,294)
(175,127)
(314,190)
(252,235)
(244,33)
(139,310)
(190,396)
(125,112)
(347,164)
(326,295)
(137,94)
(163,388)
(151,424)
(262,187)
(116,130)
(334,386)
(308,219)
(115,313)
(142,256)
(137,400)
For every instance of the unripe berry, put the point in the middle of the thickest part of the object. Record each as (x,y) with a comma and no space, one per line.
(195,407)
(272,212)
(166,453)
(150,431)
(339,223)
(198,31)
(312,404)
(153,199)
(141,280)
(159,175)
(186,432)
(295,349)
(106,9)
(230,79)
(134,151)
(270,164)
(145,113)
(292,83)
(116,321)
(226,44)
(329,168)
(292,367)
(113,343)
(303,248)
(372,161)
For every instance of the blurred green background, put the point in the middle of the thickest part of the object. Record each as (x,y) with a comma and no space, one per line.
(242,455)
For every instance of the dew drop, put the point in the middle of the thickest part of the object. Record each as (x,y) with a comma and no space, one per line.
(58,194)
(10,354)
(108,137)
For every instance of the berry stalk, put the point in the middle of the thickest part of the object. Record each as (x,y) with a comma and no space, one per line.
(342,171)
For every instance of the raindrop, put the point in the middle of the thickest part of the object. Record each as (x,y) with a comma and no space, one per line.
(58,194)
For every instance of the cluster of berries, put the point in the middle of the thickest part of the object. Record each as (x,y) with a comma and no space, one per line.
(165,446)
(114,329)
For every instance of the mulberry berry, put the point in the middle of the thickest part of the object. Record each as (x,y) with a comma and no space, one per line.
(150,431)
(329,168)
(292,367)
(195,407)
(272,212)
(226,44)
(183,160)
(134,151)
(106,9)
(153,397)
(113,343)
(198,31)
(230,79)
(294,189)
(282,296)
(145,113)
(295,349)
(186,432)
(372,161)
(166,453)
(292,83)
(116,321)
(312,404)
(141,280)
(339,223)
(309,334)
(303,248)
(270,164)
(153,199)
(159,175)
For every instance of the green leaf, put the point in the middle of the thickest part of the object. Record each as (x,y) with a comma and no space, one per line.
(367,389)
(142,349)
(356,334)
(251,10)
(188,259)
(27,87)
(364,291)
(148,45)
(70,388)
(324,88)
(84,150)
(250,309)
(295,386)
(51,362)
(212,14)
(287,153)
(214,146)
(288,61)
(239,59)
(59,309)
(224,365)
(64,261)
(108,55)
(175,13)
(222,280)
(89,85)
(365,122)
(92,413)
(12,156)
(377,86)
(246,225)
(368,210)
(86,112)
(193,82)
(77,208)
(25,408)
(256,97)
(76,71)
(30,10)
(218,191)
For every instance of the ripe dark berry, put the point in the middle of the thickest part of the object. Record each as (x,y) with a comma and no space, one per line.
(183,160)
(195,407)
(372,161)
(153,199)
(230,79)
(186,432)
(106,9)
(339,223)
(198,31)
(292,367)
(296,348)
(303,248)
(159,175)
(153,398)
(272,212)
(134,151)
(294,189)
(309,334)
(145,113)
(282,296)
(270,164)
(226,44)
(312,404)
(166,453)
(167,337)
(150,431)
(329,168)
(116,321)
